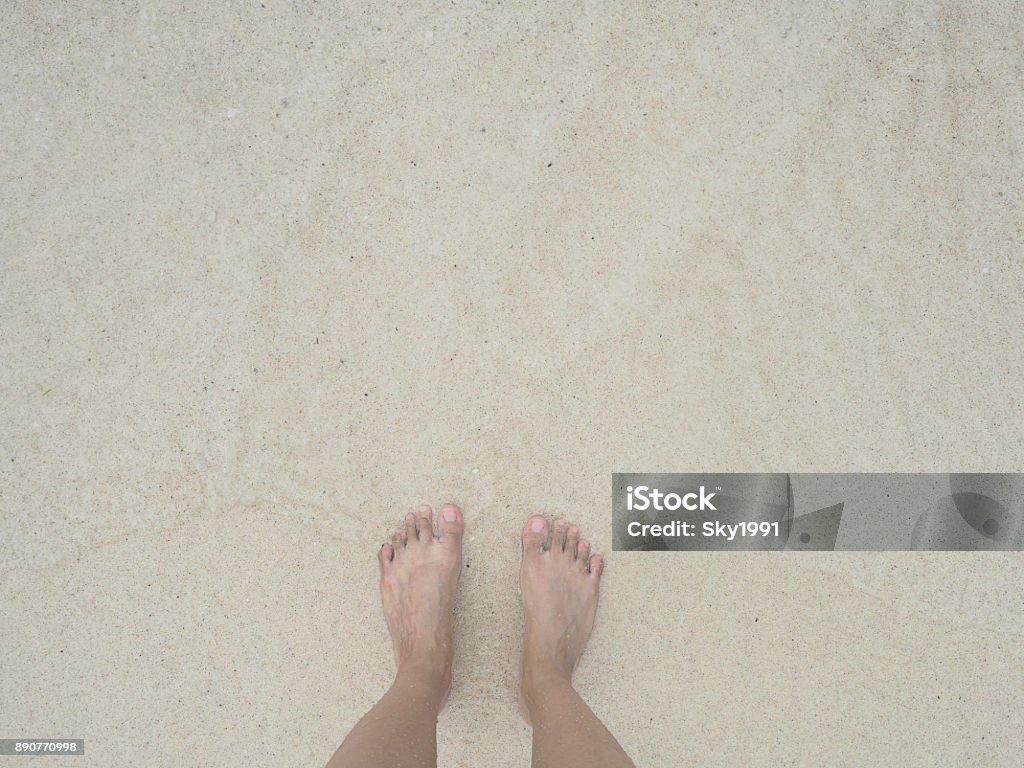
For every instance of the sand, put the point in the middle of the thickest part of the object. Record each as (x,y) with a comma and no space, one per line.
(273,273)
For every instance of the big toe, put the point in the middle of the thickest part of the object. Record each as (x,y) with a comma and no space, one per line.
(451,524)
(535,535)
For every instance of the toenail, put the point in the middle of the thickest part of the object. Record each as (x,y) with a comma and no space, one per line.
(449,515)
(537,524)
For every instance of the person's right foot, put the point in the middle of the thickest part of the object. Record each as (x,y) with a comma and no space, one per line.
(559,580)
(419,572)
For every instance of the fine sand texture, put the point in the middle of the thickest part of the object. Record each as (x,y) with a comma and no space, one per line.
(273,272)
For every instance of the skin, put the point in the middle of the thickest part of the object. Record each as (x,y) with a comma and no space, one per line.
(419,574)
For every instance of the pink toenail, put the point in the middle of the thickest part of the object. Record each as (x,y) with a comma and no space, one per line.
(537,524)
(449,515)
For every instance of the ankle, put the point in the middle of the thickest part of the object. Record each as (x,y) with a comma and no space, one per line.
(424,676)
(541,678)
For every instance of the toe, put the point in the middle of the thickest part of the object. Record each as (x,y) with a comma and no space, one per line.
(451,523)
(425,522)
(398,539)
(410,528)
(535,535)
(385,555)
(558,535)
(582,554)
(596,566)
(572,538)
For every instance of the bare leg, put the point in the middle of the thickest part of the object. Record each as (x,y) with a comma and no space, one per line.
(419,571)
(559,582)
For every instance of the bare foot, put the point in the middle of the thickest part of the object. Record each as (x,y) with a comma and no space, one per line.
(559,581)
(419,571)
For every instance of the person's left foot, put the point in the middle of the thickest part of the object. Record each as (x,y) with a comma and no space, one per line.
(419,572)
